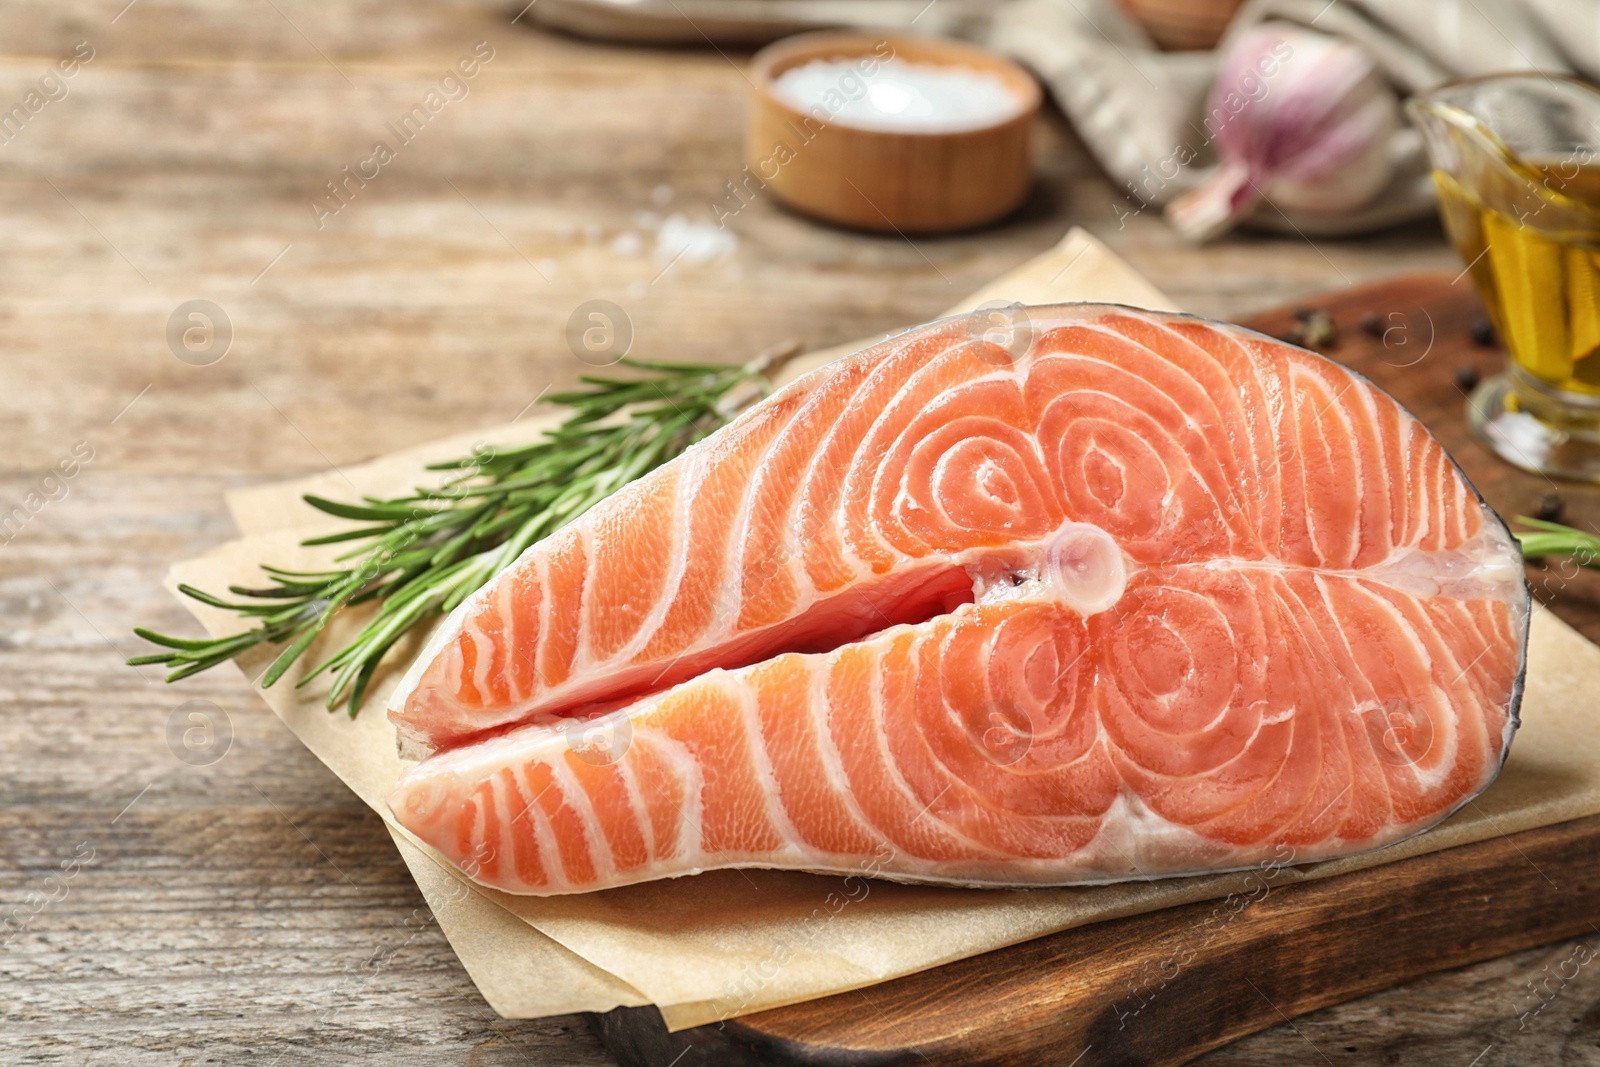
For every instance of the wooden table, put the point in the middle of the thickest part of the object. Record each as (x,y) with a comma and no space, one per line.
(251,906)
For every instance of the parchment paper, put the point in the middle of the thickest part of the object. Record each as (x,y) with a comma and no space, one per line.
(728,943)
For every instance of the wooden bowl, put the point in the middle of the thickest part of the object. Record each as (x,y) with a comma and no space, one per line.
(1184,25)
(878,180)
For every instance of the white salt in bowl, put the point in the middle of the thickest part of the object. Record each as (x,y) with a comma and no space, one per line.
(887,133)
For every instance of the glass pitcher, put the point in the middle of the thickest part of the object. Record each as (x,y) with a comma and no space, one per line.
(1516,160)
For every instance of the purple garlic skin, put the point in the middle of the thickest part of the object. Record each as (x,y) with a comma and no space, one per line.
(1301,120)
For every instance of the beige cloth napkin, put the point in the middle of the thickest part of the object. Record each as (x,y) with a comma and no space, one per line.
(1135,106)
(730,942)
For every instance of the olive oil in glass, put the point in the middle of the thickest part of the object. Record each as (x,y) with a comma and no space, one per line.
(1517,168)
(1542,289)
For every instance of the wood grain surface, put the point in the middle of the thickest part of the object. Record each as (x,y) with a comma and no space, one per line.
(250,908)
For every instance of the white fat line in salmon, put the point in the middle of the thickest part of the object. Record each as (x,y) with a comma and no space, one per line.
(776,812)
(832,759)
(1474,571)
(896,776)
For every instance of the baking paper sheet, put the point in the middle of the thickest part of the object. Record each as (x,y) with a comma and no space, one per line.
(728,943)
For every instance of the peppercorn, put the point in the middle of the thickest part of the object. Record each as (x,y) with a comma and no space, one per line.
(1483,332)
(1550,507)
(1467,378)
(1371,324)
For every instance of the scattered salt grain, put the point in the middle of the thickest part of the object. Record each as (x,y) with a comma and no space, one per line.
(626,244)
(898,96)
(693,242)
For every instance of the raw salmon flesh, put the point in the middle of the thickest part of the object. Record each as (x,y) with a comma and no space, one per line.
(1057,595)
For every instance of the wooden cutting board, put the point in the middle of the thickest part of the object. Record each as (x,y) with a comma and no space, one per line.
(1149,989)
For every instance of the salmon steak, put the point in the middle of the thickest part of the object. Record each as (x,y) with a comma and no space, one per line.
(1055,595)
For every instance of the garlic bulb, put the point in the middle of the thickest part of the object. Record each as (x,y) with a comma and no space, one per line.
(1300,119)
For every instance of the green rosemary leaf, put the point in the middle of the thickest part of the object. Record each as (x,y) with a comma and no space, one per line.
(387,512)
(420,555)
(1553,539)
(310,577)
(187,644)
(216,602)
(361,533)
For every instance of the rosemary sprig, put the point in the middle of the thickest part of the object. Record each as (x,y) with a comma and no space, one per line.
(1553,539)
(421,555)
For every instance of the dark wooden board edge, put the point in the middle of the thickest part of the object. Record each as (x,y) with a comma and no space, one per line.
(1144,990)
